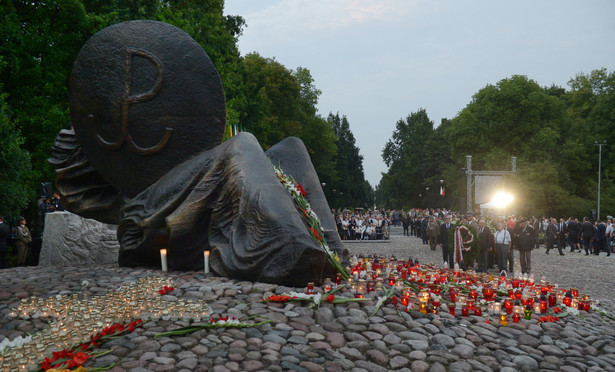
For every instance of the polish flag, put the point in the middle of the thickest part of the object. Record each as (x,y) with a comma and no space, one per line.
(442,190)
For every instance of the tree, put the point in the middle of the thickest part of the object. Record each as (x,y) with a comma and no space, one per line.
(15,165)
(416,155)
(41,41)
(351,188)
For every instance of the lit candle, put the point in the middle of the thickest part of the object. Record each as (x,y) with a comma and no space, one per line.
(503,318)
(206,258)
(497,307)
(537,307)
(163,259)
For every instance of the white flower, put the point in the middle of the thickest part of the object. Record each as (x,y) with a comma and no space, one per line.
(300,295)
(85,283)
(316,298)
(570,310)
(381,301)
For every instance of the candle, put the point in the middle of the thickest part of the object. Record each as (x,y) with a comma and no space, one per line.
(423,307)
(327,285)
(163,259)
(537,307)
(310,288)
(497,307)
(206,258)
(451,308)
(528,312)
(508,305)
(567,299)
(516,317)
(503,318)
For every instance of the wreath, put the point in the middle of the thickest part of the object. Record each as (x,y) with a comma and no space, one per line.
(470,248)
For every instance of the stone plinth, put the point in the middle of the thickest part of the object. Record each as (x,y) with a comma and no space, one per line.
(70,240)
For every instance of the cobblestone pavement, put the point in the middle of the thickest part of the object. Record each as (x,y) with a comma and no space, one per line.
(333,337)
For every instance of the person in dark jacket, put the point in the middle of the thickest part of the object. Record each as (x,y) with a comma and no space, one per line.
(486,241)
(525,243)
(447,255)
(587,232)
(553,237)
(601,239)
(573,235)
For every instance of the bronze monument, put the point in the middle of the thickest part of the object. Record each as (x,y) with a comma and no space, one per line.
(148,113)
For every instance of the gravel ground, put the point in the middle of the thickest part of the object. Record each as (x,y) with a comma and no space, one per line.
(333,337)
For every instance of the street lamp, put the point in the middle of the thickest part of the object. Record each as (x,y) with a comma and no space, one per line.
(599,170)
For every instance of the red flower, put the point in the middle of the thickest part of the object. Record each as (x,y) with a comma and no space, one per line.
(81,358)
(548,319)
(276,298)
(301,190)
(316,234)
(557,310)
(330,298)
(394,300)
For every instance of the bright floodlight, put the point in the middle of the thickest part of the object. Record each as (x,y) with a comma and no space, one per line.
(501,199)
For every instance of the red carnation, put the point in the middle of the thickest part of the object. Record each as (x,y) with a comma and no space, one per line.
(330,298)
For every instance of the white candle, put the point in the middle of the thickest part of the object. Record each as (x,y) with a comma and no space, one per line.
(206,258)
(163,259)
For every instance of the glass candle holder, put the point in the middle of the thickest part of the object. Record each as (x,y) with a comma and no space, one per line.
(508,306)
(327,285)
(528,312)
(423,307)
(516,317)
(503,318)
(451,308)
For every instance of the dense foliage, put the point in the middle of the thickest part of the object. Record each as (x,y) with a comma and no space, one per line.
(551,131)
(40,40)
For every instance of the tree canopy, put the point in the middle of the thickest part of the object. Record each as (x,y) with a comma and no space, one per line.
(551,131)
(42,39)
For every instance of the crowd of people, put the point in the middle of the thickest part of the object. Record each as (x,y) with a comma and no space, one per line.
(499,237)
(363,225)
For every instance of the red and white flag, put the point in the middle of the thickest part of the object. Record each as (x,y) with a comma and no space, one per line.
(442,190)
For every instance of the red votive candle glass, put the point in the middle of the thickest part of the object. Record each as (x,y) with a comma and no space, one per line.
(508,306)
(451,308)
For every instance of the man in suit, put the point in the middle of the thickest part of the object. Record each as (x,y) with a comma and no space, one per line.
(573,235)
(424,223)
(447,255)
(553,236)
(484,236)
(525,244)
(5,233)
(563,233)
(587,231)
